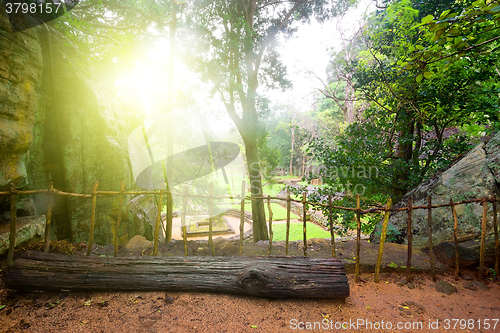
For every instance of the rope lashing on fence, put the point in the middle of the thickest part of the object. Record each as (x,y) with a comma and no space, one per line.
(270,226)
(157,225)
(304,220)
(358,238)
(495,231)
(288,208)
(483,238)
(119,218)
(431,246)
(330,222)
(14,193)
(13,222)
(242,215)
(382,240)
(455,237)
(366,211)
(409,233)
(183,219)
(48,220)
(92,218)
(211,220)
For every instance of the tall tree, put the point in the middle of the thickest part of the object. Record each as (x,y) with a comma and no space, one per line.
(420,76)
(239,39)
(341,87)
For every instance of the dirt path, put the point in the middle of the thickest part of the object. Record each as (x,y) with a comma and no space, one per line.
(385,305)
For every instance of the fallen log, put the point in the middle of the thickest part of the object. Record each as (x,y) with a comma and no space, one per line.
(270,276)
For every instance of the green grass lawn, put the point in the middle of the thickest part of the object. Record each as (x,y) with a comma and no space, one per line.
(279,212)
(272,190)
(296,233)
(286,177)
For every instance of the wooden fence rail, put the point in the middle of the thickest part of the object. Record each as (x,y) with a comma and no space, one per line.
(387,209)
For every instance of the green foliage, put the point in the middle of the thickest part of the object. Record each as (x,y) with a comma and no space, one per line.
(418,96)
(457,32)
(344,220)
(393,265)
(391,235)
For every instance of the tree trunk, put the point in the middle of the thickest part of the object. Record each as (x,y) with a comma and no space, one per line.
(349,96)
(170,103)
(258,214)
(271,276)
(292,150)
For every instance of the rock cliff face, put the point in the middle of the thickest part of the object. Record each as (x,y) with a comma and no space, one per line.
(20,73)
(59,123)
(477,175)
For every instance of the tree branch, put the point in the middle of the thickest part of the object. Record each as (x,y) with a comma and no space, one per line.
(464,50)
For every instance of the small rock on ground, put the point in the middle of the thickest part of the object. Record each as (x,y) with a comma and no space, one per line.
(470,286)
(466,276)
(402,282)
(445,287)
(480,284)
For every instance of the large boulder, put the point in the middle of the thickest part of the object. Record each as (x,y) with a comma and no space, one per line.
(60,123)
(80,138)
(476,175)
(20,74)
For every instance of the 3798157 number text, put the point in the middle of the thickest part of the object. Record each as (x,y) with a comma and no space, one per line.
(32,8)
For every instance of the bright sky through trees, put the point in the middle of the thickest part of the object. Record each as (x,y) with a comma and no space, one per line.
(306,56)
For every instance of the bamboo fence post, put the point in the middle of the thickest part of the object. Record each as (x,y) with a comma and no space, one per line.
(358,238)
(13,222)
(330,218)
(210,219)
(382,239)
(48,220)
(455,237)
(270,225)
(242,215)
(410,240)
(431,246)
(483,238)
(92,218)
(495,227)
(183,219)
(119,218)
(304,213)
(288,208)
(168,222)
(157,224)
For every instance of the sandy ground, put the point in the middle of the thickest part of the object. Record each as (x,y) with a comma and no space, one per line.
(233,221)
(385,305)
(371,307)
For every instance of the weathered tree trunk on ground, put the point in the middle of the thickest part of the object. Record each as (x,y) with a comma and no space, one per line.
(271,276)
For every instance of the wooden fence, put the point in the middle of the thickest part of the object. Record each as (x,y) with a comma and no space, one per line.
(387,209)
